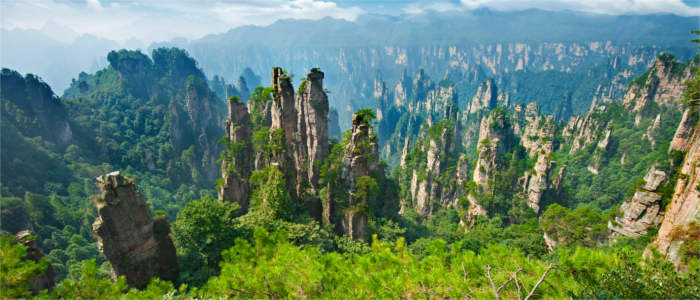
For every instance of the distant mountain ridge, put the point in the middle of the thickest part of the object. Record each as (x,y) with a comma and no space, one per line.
(34,51)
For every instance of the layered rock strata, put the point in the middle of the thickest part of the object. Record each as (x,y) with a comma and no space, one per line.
(136,245)
(643,210)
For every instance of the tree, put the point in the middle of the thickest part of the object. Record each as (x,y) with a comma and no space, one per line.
(16,271)
(89,284)
(203,229)
(270,194)
(691,96)
(366,115)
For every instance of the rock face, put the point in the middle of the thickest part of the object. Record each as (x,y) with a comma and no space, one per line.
(37,103)
(137,246)
(304,121)
(238,158)
(311,138)
(685,131)
(486,97)
(427,194)
(685,204)
(311,135)
(298,126)
(662,85)
(583,131)
(404,109)
(495,139)
(643,210)
(43,281)
(359,159)
(537,137)
(283,113)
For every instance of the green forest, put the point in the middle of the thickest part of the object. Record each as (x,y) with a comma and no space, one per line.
(352,226)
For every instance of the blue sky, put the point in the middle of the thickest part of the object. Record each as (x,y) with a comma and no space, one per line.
(158,20)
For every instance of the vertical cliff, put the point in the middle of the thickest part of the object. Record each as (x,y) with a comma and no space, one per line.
(237,159)
(291,133)
(359,160)
(311,138)
(683,213)
(486,96)
(136,245)
(429,188)
(495,140)
(537,136)
(661,85)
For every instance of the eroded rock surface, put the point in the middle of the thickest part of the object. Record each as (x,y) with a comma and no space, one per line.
(685,203)
(643,210)
(238,160)
(136,246)
(359,160)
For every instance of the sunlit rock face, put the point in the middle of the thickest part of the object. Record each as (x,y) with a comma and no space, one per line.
(137,246)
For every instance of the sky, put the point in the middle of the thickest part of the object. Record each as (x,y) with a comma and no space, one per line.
(130,21)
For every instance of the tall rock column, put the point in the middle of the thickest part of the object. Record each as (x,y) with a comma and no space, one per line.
(486,96)
(238,159)
(537,137)
(359,159)
(284,117)
(311,138)
(284,114)
(136,245)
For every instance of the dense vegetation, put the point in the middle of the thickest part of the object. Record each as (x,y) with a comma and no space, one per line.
(136,112)
(120,118)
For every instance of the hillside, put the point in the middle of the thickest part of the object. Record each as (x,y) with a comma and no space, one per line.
(422,196)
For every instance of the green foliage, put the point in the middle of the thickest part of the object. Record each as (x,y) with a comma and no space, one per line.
(89,283)
(270,267)
(582,226)
(629,277)
(366,115)
(270,194)
(17,269)
(156,289)
(365,190)
(202,230)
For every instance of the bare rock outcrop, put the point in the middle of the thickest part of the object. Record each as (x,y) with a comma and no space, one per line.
(643,210)
(495,139)
(359,160)
(137,245)
(486,96)
(663,85)
(427,192)
(304,121)
(685,130)
(685,203)
(311,146)
(312,128)
(537,136)
(238,157)
(583,131)
(402,91)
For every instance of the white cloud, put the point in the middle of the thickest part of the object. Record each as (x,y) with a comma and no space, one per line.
(159,20)
(416,8)
(595,6)
(614,7)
